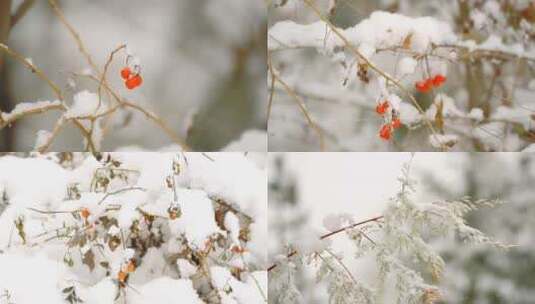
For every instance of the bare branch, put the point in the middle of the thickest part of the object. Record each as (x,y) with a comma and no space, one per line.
(21,11)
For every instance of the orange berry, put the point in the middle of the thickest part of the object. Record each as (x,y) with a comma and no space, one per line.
(237,249)
(396,123)
(438,80)
(385,132)
(125,73)
(382,107)
(133,82)
(122,276)
(85,213)
(131,267)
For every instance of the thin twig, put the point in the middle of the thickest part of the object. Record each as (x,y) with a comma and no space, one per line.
(272,87)
(23,8)
(74,34)
(294,252)
(57,91)
(34,69)
(301,104)
(60,123)
(108,194)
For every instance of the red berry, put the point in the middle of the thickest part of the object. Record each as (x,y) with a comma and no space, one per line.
(429,83)
(125,73)
(134,82)
(385,132)
(421,86)
(396,123)
(382,107)
(424,86)
(439,80)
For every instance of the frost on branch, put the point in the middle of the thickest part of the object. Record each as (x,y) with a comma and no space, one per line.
(133,228)
(399,244)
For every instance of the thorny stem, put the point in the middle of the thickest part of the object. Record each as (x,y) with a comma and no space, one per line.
(294,252)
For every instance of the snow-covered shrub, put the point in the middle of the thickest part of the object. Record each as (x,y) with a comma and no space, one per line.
(398,245)
(132,228)
(483,274)
(401,75)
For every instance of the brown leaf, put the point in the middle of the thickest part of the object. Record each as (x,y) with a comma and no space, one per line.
(89,259)
(407,41)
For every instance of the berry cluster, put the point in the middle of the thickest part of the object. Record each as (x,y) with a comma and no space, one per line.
(426,85)
(394,123)
(131,80)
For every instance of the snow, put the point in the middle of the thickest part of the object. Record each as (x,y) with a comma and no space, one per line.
(395,101)
(381,30)
(250,140)
(28,182)
(479,19)
(232,225)
(517,114)
(85,104)
(449,109)
(476,114)
(185,268)
(407,65)
(333,222)
(102,292)
(37,274)
(409,115)
(165,291)
(440,140)
(24,107)
(43,136)
(162,273)
(288,34)
(195,205)
(240,292)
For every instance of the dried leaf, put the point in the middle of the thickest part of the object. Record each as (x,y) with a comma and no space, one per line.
(89,259)
(407,41)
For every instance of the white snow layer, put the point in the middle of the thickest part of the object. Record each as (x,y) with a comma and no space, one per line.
(380,30)
(40,183)
(85,104)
